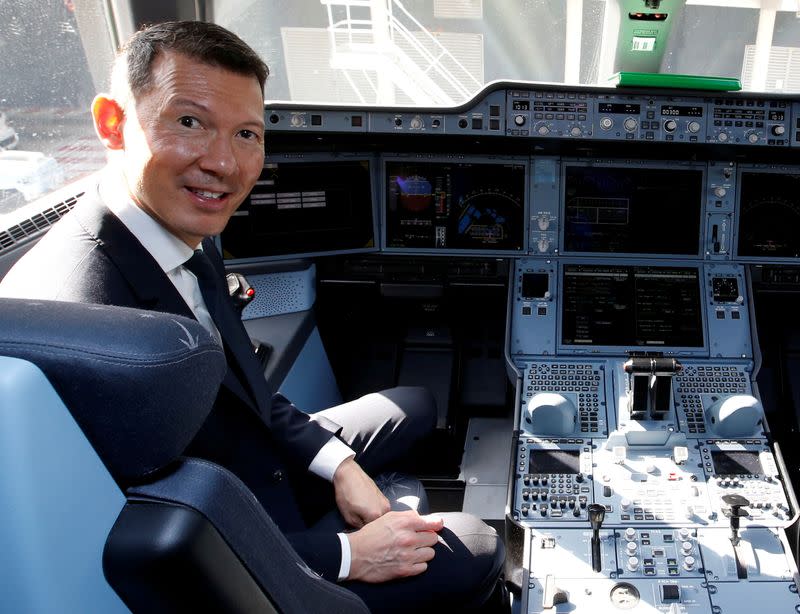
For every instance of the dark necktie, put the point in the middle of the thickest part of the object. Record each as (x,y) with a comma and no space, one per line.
(238,346)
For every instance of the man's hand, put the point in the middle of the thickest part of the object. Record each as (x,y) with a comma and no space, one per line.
(396,545)
(357,496)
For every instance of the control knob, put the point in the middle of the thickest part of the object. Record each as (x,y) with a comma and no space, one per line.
(543,130)
(689,563)
(693,127)
(606,123)
(630,534)
(297,120)
(630,548)
(519,120)
(416,123)
(576,131)
(722,137)
(778,130)
(543,245)
(719,191)
(670,125)
(686,548)
(544,221)
(633,563)
(752,137)
(630,124)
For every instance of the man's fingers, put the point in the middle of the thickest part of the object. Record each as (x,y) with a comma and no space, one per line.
(425,554)
(429,523)
(418,568)
(426,539)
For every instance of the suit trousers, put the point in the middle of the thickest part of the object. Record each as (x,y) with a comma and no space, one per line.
(381,428)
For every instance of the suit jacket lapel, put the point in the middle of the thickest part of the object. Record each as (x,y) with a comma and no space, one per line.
(153,289)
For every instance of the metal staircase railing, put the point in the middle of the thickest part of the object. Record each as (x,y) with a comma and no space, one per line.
(384,37)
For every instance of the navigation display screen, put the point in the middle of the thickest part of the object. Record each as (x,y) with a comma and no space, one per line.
(631,306)
(632,210)
(303,207)
(467,206)
(769,222)
(554,461)
(736,463)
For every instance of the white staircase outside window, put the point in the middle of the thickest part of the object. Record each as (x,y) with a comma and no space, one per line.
(388,57)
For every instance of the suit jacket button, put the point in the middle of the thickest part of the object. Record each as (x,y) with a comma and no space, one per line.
(277,475)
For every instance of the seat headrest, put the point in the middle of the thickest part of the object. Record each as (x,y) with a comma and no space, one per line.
(139,383)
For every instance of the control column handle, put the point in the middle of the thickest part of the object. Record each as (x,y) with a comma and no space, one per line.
(736,503)
(597,514)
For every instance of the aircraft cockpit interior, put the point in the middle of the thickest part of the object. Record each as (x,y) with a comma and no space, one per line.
(591,258)
(598,283)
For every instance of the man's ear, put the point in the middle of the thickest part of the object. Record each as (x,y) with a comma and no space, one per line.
(108,120)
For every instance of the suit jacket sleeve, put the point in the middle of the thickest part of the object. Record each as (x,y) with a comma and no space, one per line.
(301,435)
(321,551)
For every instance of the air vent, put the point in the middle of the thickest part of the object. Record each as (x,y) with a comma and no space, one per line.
(783,70)
(36,225)
(458,9)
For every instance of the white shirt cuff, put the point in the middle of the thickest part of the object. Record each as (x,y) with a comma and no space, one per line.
(328,459)
(344,568)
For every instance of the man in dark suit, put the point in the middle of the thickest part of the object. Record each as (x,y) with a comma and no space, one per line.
(184,129)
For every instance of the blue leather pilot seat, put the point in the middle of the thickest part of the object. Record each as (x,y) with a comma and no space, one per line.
(93,396)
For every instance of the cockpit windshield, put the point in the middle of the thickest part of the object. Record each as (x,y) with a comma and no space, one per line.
(441,52)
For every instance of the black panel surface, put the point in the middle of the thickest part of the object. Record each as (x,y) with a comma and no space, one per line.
(631,306)
(434,205)
(769,222)
(632,210)
(304,207)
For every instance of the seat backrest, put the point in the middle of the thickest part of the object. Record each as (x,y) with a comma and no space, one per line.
(58,504)
(97,401)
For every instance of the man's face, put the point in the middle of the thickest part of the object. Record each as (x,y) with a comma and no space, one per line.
(193,145)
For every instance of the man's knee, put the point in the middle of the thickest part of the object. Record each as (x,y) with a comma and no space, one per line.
(479,554)
(416,404)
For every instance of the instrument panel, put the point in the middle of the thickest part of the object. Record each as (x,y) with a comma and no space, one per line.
(644,476)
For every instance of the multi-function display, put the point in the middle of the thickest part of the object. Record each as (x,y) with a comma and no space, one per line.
(631,306)
(769,219)
(304,207)
(436,205)
(736,463)
(554,461)
(632,210)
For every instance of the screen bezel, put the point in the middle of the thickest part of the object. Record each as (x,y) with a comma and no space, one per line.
(766,169)
(583,349)
(630,164)
(524,161)
(286,158)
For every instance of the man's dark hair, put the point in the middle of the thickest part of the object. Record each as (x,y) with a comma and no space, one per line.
(206,42)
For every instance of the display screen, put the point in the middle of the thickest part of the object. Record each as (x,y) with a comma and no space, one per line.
(633,210)
(631,306)
(554,461)
(303,207)
(617,108)
(678,111)
(436,205)
(736,463)
(769,218)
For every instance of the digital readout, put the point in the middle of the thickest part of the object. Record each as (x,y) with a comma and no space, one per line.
(521,105)
(680,111)
(619,108)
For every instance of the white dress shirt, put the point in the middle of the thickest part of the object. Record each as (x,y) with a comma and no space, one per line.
(171,254)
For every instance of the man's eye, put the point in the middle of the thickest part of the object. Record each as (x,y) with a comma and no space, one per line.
(249,134)
(189,122)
